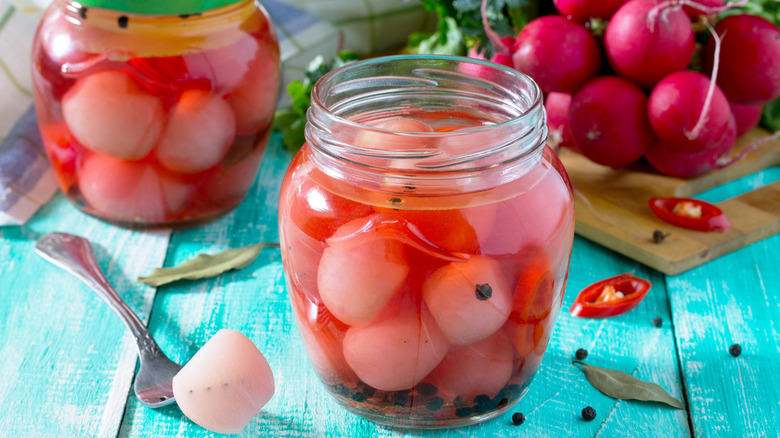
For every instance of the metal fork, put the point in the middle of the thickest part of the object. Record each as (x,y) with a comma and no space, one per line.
(74,254)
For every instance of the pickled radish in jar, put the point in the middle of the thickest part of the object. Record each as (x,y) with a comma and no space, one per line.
(396,353)
(225,384)
(483,367)
(199,132)
(382,140)
(359,272)
(108,112)
(533,217)
(130,191)
(254,100)
(469,300)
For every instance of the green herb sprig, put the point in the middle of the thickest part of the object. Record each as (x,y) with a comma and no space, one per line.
(291,122)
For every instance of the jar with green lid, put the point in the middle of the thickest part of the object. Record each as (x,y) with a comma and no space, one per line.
(155,113)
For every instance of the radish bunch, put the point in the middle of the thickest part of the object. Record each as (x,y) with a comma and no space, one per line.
(630,92)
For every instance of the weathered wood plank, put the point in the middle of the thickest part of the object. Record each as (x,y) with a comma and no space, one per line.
(735,299)
(254,301)
(66,361)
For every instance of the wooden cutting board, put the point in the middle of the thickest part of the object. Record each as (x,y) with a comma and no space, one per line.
(612,208)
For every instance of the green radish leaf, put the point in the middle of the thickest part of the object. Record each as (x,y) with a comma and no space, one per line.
(205,265)
(617,384)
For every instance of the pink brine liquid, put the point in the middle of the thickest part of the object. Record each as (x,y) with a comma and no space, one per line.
(144,127)
(425,310)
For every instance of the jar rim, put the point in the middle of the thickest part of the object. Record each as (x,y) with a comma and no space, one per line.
(513,98)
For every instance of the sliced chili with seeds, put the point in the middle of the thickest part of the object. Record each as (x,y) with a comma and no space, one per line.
(610,297)
(689,213)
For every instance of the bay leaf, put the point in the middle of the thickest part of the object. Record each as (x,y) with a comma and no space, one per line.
(205,265)
(623,386)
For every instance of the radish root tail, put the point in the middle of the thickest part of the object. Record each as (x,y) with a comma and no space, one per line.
(699,126)
(491,34)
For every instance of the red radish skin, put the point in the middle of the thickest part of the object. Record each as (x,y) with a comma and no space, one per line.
(583,10)
(397,352)
(608,121)
(747,116)
(500,57)
(557,107)
(108,112)
(645,54)
(749,68)
(452,293)
(705,7)
(675,106)
(682,165)
(199,132)
(359,274)
(560,55)
(130,191)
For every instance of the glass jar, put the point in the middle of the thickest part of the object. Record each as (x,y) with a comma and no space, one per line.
(426,232)
(155,113)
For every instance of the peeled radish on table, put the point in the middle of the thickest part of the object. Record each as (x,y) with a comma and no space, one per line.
(749,68)
(483,367)
(644,43)
(200,129)
(560,55)
(397,352)
(675,108)
(225,384)
(359,272)
(130,191)
(108,112)
(469,300)
(609,122)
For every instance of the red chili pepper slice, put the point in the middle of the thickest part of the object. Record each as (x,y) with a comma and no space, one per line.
(610,297)
(690,213)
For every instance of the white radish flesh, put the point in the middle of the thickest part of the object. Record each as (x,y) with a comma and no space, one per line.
(225,384)
(108,112)
(469,300)
(200,130)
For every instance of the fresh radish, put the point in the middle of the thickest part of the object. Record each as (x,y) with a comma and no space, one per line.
(499,57)
(130,191)
(678,105)
(557,107)
(200,129)
(483,367)
(749,68)
(359,272)
(583,10)
(646,41)
(225,384)
(469,300)
(560,55)
(110,113)
(682,165)
(608,121)
(747,116)
(396,352)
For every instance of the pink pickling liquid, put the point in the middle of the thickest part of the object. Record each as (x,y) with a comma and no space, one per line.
(420,308)
(142,135)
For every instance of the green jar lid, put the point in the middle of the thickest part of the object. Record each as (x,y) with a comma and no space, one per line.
(158,7)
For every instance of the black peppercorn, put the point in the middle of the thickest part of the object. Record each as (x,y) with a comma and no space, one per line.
(659,236)
(518,418)
(426,389)
(463,412)
(588,414)
(483,292)
(658,322)
(434,403)
(735,350)
(122,21)
(581,354)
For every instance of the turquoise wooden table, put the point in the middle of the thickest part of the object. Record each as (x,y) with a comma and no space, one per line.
(67,363)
